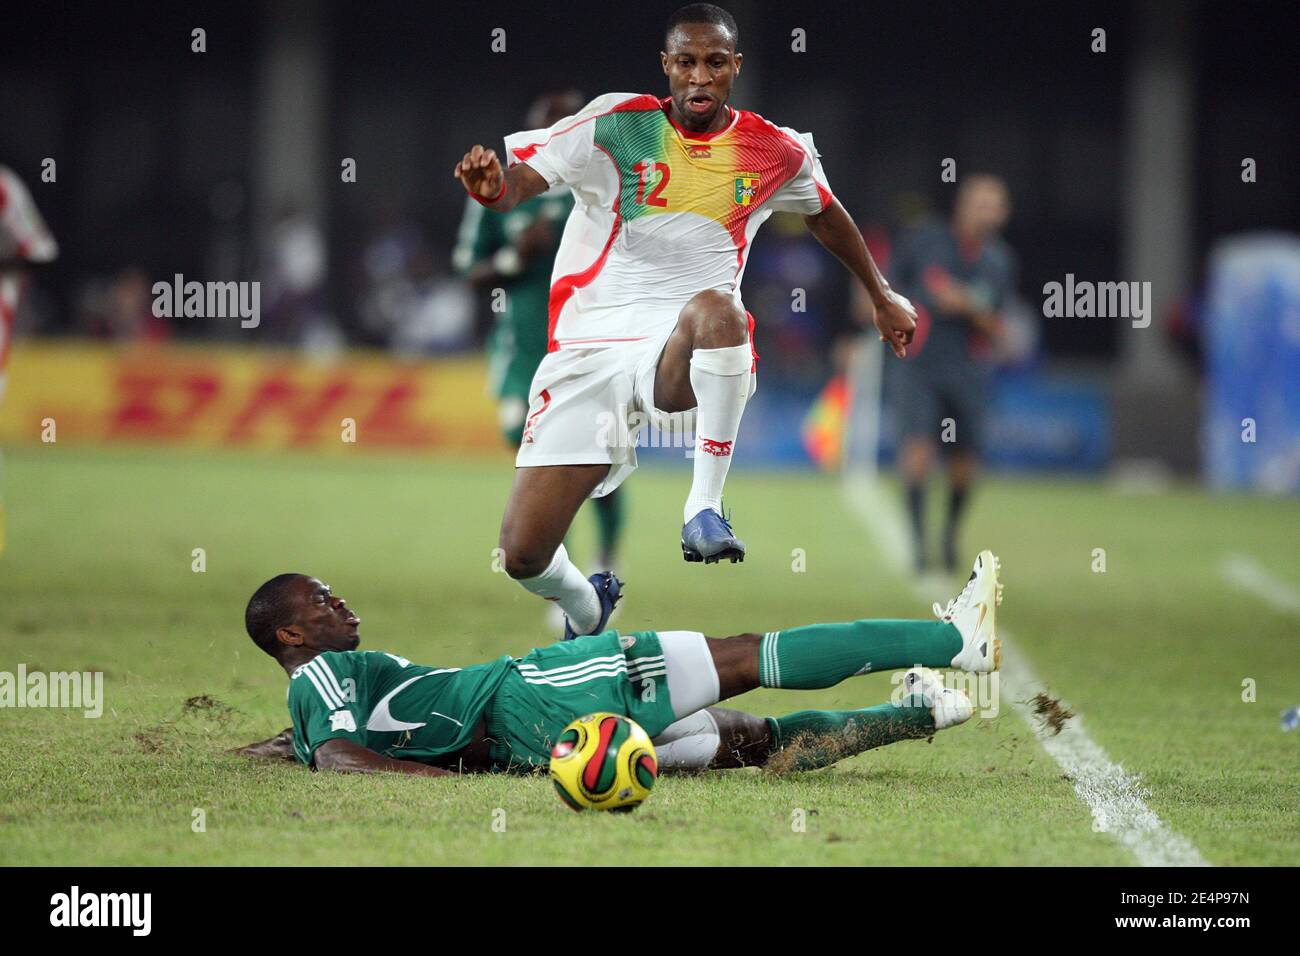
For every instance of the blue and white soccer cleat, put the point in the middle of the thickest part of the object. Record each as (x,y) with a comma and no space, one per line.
(948,705)
(708,537)
(974,613)
(608,590)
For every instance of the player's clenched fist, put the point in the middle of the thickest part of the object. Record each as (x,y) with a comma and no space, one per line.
(480,172)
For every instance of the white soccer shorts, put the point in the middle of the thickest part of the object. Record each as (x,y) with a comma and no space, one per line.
(590,407)
(586,406)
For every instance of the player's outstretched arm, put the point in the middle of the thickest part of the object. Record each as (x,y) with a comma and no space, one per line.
(483,177)
(280,746)
(346,757)
(893,315)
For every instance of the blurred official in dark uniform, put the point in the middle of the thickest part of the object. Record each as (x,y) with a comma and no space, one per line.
(958,274)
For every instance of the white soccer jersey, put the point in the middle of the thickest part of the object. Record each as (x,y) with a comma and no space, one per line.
(661,213)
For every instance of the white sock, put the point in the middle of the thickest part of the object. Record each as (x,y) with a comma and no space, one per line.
(563,583)
(720,378)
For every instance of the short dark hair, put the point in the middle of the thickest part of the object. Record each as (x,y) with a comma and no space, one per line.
(268,610)
(703,13)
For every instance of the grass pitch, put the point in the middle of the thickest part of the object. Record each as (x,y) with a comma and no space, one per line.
(97,576)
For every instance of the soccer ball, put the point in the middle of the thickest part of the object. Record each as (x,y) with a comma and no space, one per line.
(603,762)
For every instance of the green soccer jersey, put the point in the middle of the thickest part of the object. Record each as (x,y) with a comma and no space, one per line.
(519,337)
(389,705)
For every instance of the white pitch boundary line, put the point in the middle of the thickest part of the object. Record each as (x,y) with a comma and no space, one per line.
(1115,797)
(1247,574)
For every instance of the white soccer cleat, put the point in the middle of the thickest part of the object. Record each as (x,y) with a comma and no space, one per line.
(974,614)
(948,706)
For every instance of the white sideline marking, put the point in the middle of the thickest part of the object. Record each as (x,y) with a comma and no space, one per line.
(1115,797)
(1249,575)
(884,522)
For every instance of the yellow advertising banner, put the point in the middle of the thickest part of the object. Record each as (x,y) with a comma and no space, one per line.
(210,396)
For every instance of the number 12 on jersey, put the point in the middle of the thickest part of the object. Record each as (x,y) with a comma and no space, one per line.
(646,171)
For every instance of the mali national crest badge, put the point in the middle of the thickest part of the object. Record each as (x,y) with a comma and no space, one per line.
(746,188)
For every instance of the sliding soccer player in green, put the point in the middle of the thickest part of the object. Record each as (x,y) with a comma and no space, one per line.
(369,711)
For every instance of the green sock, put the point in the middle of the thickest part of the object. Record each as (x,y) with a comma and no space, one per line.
(822,655)
(609,521)
(811,739)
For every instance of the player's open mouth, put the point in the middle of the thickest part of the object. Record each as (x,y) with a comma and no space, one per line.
(352,620)
(699,103)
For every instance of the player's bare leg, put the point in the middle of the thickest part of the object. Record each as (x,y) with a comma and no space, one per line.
(707,365)
(542,504)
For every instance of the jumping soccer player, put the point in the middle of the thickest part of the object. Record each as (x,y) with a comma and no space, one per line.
(515,252)
(369,711)
(645,315)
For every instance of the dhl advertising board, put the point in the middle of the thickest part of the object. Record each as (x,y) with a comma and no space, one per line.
(213,397)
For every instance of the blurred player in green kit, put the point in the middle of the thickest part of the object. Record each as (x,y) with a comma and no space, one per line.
(515,252)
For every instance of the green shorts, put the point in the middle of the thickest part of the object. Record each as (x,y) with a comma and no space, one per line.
(544,691)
